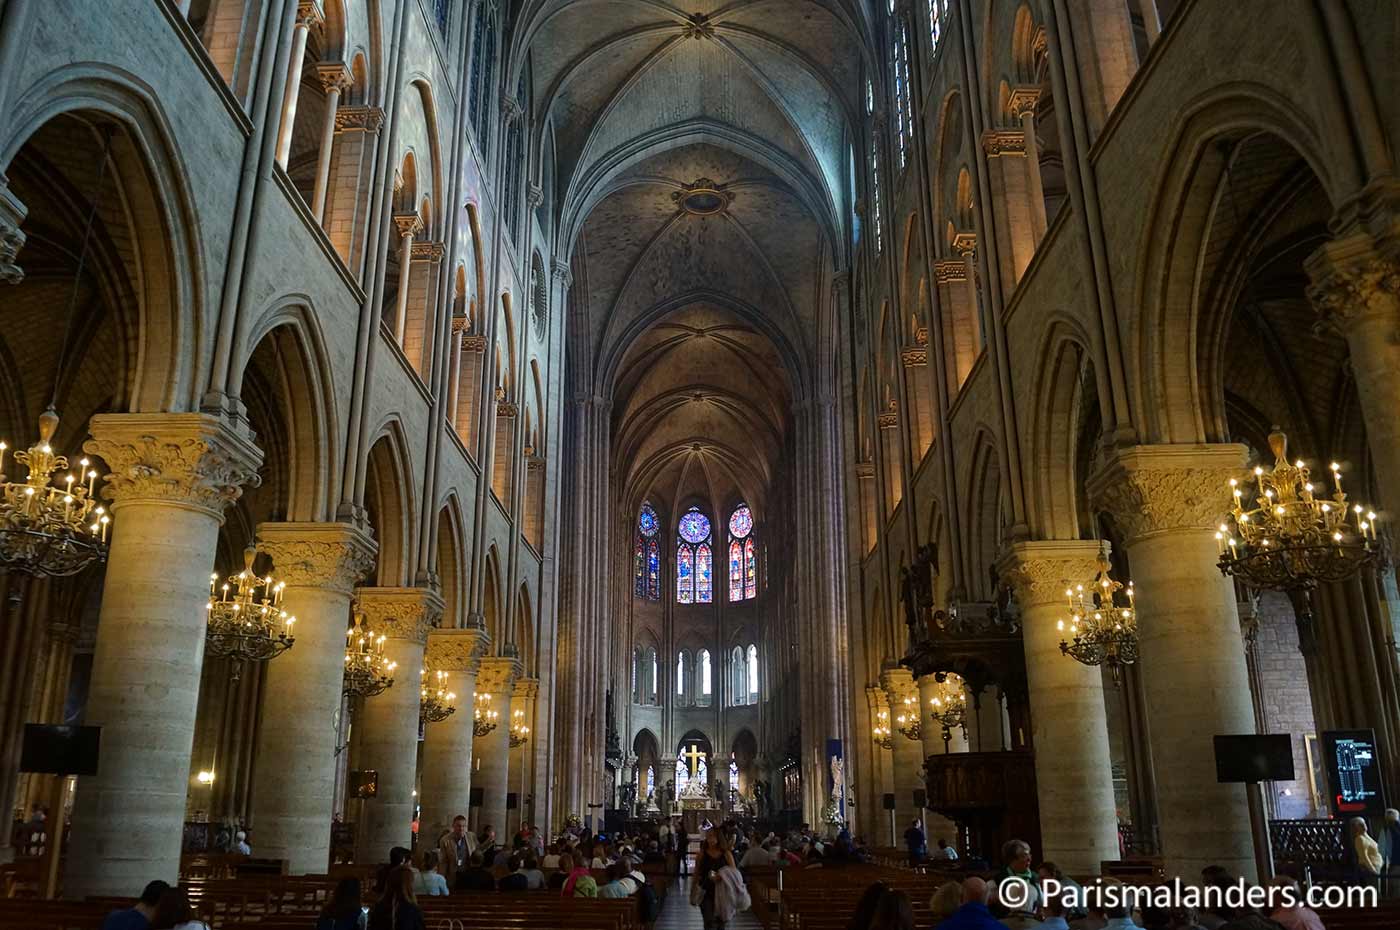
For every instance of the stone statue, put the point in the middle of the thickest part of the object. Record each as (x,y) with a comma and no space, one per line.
(916,592)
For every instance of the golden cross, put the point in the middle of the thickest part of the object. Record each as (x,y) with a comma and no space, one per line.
(693,755)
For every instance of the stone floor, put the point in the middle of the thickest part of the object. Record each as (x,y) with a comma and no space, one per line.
(677,913)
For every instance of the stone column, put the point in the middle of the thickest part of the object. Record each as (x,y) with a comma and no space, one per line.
(171,476)
(524,698)
(335,78)
(12,214)
(1168,501)
(446,785)
(496,678)
(1073,770)
(388,724)
(408,225)
(308,15)
(908,754)
(1356,288)
(295,765)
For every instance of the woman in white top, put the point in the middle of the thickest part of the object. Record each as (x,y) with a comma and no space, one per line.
(427,880)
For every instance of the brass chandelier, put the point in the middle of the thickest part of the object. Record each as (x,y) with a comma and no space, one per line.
(908,721)
(1102,627)
(367,670)
(880,733)
(948,707)
(246,622)
(1294,537)
(519,732)
(483,717)
(435,703)
(50,529)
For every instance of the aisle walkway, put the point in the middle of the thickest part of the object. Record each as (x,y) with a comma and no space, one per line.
(677,914)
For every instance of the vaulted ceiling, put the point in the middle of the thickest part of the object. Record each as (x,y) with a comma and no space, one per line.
(702,181)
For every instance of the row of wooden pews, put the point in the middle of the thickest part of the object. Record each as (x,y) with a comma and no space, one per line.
(825,898)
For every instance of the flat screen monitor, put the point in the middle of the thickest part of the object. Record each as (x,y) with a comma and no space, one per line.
(50,749)
(1254,758)
(1353,766)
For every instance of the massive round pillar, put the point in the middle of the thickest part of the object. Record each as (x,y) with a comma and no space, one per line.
(446,784)
(171,476)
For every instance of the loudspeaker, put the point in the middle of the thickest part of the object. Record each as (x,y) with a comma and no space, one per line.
(512,801)
(1251,758)
(920,798)
(478,797)
(364,784)
(889,802)
(59,750)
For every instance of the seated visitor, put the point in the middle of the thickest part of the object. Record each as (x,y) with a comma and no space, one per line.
(517,880)
(613,887)
(1295,916)
(138,916)
(427,880)
(173,912)
(475,877)
(342,910)
(578,883)
(973,913)
(397,908)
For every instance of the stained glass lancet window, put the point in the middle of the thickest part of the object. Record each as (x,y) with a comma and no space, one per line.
(646,555)
(875,196)
(743,576)
(483,67)
(937,21)
(903,116)
(694,559)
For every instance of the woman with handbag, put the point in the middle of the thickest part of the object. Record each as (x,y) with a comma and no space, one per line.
(714,856)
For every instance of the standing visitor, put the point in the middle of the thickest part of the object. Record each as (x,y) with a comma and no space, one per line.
(1369,864)
(455,848)
(714,855)
(916,842)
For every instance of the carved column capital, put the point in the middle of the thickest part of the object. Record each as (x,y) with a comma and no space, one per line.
(359,119)
(914,356)
(456,650)
(999,142)
(475,344)
(309,13)
(498,675)
(511,110)
(401,613)
(562,273)
(318,555)
(1023,100)
(190,459)
(1353,278)
(534,195)
(1041,571)
(408,224)
(896,682)
(1167,488)
(429,251)
(527,689)
(950,271)
(334,75)
(12,214)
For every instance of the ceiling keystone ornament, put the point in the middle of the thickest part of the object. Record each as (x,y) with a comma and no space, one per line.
(699,27)
(702,198)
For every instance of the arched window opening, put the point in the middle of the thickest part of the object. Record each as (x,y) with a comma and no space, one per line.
(515,163)
(683,677)
(483,72)
(738,678)
(875,214)
(743,576)
(937,23)
(646,556)
(694,559)
(705,687)
(751,661)
(903,115)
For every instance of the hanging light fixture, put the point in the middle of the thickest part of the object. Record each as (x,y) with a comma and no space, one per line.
(948,706)
(483,717)
(880,733)
(1102,627)
(54,527)
(367,670)
(908,721)
(50,527)
(246,622)
(519,732)
(1294,537)
(436,703)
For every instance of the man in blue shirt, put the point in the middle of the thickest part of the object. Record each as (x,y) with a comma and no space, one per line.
(974,914)
(138,917)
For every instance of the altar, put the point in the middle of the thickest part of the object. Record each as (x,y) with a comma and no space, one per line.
(695,818)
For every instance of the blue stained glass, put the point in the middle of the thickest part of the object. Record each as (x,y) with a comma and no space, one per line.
(750,570)
(653,570)
(647,521)
(703,574)
(694,526)
(637,570)
(685,584)
(740,522)
(736,571)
